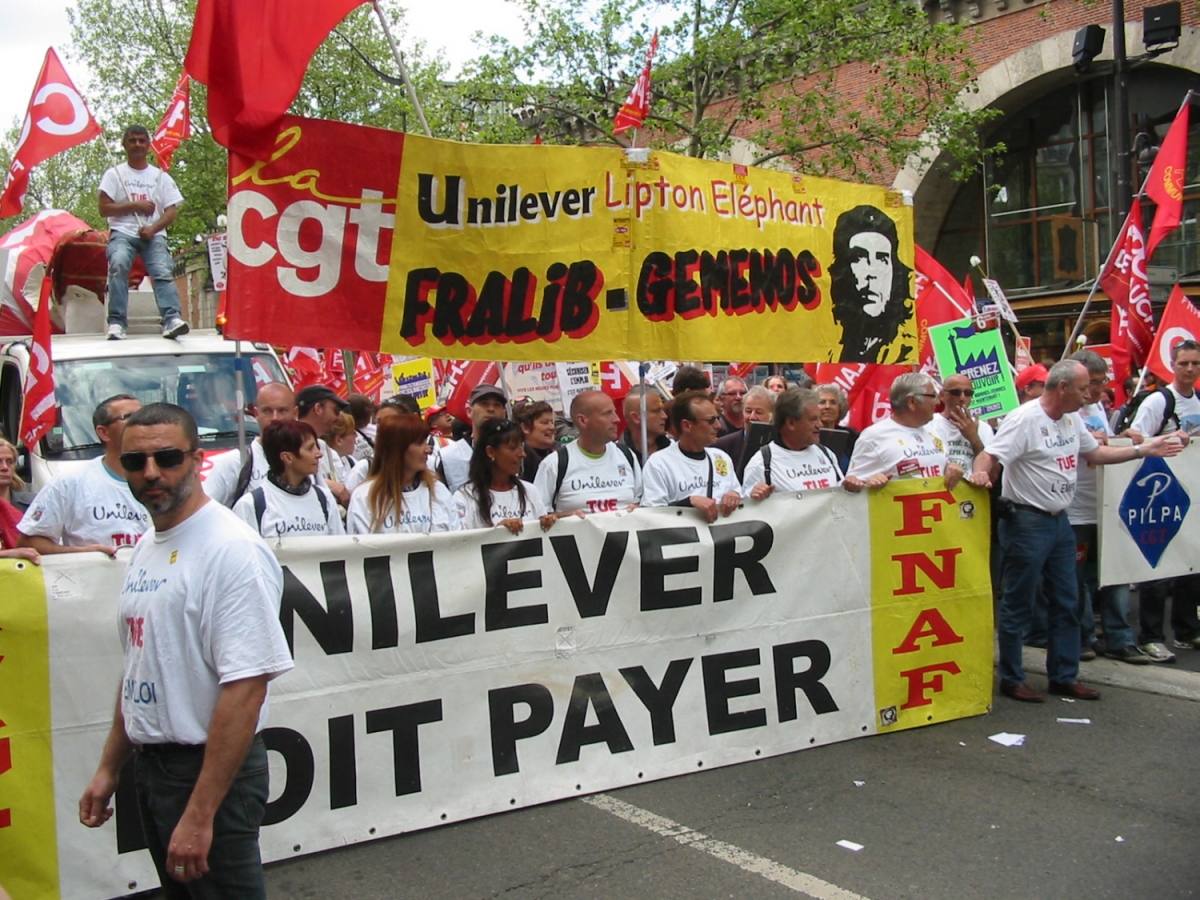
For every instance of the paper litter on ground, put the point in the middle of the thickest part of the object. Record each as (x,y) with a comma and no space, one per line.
(859,783)
(850,845)
(1066,721)
(1007,740)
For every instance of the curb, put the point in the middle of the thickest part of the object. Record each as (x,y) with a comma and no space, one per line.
(1156,678)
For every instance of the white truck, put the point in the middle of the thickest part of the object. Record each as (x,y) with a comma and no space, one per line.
(197,371)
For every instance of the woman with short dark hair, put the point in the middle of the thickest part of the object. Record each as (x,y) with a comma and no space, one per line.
(291,502)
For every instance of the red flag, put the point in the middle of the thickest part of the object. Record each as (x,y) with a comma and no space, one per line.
(39,414)
(637,104)
(1180,322)
(867,386)
(176,126)
(57,120)
(940,299)
(461,377)
(253,56)
(1165,184)
(1124,281)
(741,369)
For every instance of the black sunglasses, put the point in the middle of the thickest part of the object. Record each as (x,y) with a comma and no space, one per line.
(960,392)
(167,458)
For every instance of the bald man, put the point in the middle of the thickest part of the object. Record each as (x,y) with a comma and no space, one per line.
(228,478)
(656,420)
(593,473)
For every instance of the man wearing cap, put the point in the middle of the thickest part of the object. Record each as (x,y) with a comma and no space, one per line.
(319,406)
(229,476)
(486,402)
(1031,382)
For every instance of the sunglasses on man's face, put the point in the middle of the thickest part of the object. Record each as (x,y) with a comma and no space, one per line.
(167,458)
(711,420)
(960,392)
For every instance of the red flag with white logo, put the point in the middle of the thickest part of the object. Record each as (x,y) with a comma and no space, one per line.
(57,120)
(1165,183)
(940,299)
(458,378)
(176,125)
(1124,281)
(637,104)
(39,414)
(1180,322)
(867,386)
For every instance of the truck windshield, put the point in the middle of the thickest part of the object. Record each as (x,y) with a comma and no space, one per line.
(202,383)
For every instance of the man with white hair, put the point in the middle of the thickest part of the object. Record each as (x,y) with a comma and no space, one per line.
(1040,444)
(903,444)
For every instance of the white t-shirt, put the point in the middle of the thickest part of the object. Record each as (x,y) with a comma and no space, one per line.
(1040,456)
(958,448)
(1149,418)
(456,462)
(504,505)
(122,184)
(1082,510)
(221,480)
(607,484)
(289,515)
(89,505)
(671,476)
(419,516)
(810,469)
(895,449)
(199,608)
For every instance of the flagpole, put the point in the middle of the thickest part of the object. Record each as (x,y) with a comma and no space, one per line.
(408,85)
(1078,329)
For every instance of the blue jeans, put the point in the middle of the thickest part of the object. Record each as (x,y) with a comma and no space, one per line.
(164,785)
(1112,601)
(1039,547)
(157,258)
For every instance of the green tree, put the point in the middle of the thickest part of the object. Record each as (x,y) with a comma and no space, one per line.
(134,51)
(836,88)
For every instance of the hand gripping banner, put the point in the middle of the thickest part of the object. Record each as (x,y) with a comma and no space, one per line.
(539,253)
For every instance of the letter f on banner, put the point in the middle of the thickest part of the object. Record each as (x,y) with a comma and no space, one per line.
(57,119)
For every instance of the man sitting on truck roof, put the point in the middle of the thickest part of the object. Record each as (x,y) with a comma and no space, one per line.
(90,508)
(140,201)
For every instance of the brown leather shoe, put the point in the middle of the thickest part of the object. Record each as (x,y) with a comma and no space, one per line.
(1022,692)
(1076,689)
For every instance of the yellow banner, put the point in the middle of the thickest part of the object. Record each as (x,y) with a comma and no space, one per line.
(415,378)
(931,602)
(536,253)
(28,841)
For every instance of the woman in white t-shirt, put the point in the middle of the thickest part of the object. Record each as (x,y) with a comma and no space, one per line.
(401,494)
(494,493)
(290,503)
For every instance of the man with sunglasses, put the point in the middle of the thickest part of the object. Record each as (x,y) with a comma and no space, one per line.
(691,472)
(90,508)
(963,434)
(199,613)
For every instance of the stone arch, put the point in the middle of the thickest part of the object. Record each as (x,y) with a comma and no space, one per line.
(1009,85)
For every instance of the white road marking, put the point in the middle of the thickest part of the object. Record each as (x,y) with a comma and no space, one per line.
(800,882)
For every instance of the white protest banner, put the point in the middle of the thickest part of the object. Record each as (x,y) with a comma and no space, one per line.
(574,379)
(218,257)
(444,677)
(535,381)
(1149,524)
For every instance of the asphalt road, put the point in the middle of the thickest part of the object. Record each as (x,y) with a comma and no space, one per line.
(1097,811)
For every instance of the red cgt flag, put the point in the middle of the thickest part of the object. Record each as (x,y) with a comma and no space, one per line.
(637,104)
(39,413)
(253,56)
(940,299)
(1165,183)
(1124,281)
(57,120)
(1180,322)
(176,126)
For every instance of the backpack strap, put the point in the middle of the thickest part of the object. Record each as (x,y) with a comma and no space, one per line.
(766,455)
(260,505)
(708,456)
(561,450)
(324,504)
(243,481)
